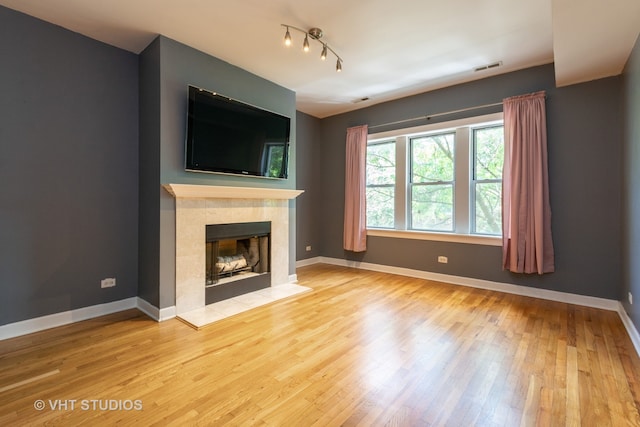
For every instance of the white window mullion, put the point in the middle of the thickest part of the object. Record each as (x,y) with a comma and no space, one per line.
(402,175)
(462,183)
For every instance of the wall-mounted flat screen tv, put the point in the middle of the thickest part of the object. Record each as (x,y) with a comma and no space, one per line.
(229,136)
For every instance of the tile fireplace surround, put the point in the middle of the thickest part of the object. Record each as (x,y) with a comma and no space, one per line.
(199,205)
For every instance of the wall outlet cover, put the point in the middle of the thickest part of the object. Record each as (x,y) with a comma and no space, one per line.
(109,282)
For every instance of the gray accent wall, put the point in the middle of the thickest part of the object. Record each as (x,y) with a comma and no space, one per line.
(309,179)
(631,221)
(585,159)
(149,176)
(68,169)
(167,68)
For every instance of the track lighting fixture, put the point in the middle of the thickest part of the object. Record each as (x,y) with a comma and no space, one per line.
(316,34)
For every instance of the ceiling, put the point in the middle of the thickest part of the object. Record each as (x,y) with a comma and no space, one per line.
(390,49)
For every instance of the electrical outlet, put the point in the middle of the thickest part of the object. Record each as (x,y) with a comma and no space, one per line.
(630,298)
(443,259)
(108,282)
(308,248)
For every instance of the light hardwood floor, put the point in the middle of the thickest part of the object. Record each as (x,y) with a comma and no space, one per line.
(363,348)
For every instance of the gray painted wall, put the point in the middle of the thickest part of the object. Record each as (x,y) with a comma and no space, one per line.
(631,222)
(68,169)
(585,159)
(149,176)
(309,179)
(177,66)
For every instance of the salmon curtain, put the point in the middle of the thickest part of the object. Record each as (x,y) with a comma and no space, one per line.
(355,208)
(527,245)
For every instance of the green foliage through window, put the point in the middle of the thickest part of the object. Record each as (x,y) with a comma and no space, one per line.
(452,181)
(381,177)
(432,176)
(488,144)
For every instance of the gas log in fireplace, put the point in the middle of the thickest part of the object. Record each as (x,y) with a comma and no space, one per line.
(237,259)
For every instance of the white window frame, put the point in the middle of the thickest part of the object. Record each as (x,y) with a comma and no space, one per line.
(462,186)
(472,180)
(394,185)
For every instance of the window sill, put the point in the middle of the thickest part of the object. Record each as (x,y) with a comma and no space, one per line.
(473,239)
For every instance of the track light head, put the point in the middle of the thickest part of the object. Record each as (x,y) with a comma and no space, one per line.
(305,45)
(287,38)
(338,65)
(323,55)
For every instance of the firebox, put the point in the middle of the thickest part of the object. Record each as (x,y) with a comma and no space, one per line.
(237,259)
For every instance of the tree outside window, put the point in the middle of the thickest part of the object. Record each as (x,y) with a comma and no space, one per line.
(381,178)
(442,178)
(487,179)
(432,177)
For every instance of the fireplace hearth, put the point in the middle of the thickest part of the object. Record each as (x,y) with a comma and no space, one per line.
(237,259)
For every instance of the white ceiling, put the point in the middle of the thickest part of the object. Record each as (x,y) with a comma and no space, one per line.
(390,49)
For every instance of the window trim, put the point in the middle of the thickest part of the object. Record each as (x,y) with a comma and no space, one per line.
(475,239)
(462,209)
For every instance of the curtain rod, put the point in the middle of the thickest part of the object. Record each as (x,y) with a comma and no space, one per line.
(436,115)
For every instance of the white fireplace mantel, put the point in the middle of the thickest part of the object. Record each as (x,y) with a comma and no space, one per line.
(197,206)
(219,192)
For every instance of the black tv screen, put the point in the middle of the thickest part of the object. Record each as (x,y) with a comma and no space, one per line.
(228,136)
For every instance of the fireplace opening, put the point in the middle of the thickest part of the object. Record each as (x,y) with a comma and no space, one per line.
(237,259)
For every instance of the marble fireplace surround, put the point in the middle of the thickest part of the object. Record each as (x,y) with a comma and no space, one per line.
(199,205)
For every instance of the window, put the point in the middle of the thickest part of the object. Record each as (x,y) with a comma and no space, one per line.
(488,157)
(381,178)
(432,181)
(442,179)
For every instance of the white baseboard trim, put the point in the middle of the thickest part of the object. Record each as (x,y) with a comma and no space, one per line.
(310,261)
(29,326)
(167,313)
(630,327)
(293,278)
(37,324)
(159,315)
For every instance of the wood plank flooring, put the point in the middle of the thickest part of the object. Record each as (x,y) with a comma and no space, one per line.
(361,349)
